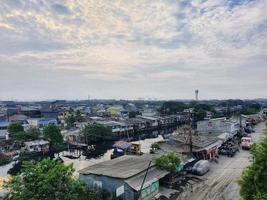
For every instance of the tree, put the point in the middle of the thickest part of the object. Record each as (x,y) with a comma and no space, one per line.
(79,117)
(52,134)
(200,114)
(172,107)
(4,159)
(15,128)
(24,136)
(154,146)
(34,132)
(18,134)
(94,133)
(253,181)
(133,114)
(46,180)
(168,161)
(70,120)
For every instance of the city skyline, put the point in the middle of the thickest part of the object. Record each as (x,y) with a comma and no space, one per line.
(133,49)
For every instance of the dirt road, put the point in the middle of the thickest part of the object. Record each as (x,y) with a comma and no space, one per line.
(220,183)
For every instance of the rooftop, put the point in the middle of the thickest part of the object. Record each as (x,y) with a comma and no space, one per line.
(123,167)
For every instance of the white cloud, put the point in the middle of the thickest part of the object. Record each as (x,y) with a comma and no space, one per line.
(150,45)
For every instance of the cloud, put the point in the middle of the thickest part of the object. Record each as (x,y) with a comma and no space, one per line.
(164,49)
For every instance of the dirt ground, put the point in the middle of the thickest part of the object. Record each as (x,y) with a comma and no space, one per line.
(220,182)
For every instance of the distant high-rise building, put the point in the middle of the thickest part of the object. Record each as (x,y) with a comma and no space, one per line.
(196,93)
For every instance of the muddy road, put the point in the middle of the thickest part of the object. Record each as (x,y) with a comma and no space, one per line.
(221,181)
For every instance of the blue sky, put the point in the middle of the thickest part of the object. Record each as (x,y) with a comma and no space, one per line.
(67,49)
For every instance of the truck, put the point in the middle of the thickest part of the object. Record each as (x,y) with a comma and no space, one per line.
(246,142)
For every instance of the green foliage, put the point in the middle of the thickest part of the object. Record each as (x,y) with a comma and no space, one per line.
(52,134)
(253,181)
(94,133)
(168,161)
(46,180)
(70,120)
(4,159)
(17,133)
(172,107)
(154,146)
(200,114)
(74,117)
(34,132)
(133,114)
(15,128)
(260,196)
(249,111)
(24,136)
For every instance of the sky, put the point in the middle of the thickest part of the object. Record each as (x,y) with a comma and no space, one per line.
(130,49)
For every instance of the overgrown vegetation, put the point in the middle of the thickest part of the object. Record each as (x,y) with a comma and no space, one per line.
(154,146)
(17,133)
(4,159)
(46,180)
(74,117)
(95,133)
(168,161)
(133,114)
(253,181)
(53,135)
(228,108)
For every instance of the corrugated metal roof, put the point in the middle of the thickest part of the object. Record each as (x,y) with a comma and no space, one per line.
(153,175)
(123,167)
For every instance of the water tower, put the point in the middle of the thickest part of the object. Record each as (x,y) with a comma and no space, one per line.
(196,93)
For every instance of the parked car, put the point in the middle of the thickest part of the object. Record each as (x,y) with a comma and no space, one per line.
(201,167)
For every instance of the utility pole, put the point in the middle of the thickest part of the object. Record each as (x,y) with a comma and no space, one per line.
(139,194)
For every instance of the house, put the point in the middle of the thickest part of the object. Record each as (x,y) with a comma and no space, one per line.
(41,122)
(32,112)
(37,146)
(118,128)
(18,118)
(203,146)
(71,136)
(123,176)
(151,121)
(217,125)
(3,130)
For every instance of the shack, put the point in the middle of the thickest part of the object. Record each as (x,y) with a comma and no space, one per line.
(123,176)
(203,147)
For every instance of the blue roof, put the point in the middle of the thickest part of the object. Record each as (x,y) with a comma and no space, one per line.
(4,124)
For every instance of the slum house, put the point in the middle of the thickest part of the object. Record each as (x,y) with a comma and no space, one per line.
(3,130)
(217,125)
(37,146)
(203,146)
(18,118)
(119,129)
(41,122)
(31,112)
(123,176)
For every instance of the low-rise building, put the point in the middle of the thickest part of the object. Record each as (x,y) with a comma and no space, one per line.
(41,122)
(217,125)
(123,176)
(3,130)
(37,146)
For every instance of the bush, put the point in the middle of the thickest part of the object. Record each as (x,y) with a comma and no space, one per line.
(169,161)
(4,159)
(253,181)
